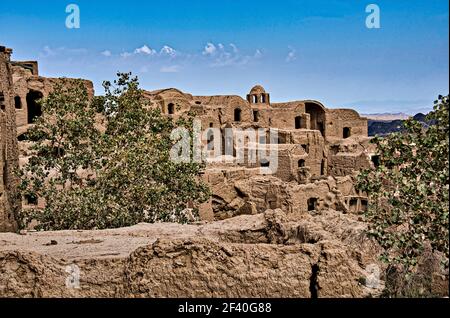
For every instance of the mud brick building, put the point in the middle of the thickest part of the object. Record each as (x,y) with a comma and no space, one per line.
(319,150)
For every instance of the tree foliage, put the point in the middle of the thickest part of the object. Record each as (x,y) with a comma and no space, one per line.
(109,169)
(409,189)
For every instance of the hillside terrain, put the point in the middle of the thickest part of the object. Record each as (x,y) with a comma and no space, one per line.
(384,127)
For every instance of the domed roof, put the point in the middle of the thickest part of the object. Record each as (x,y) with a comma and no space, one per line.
(258,89)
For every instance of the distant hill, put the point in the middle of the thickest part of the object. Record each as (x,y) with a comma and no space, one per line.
(386,116)
(385,127)
(420,117)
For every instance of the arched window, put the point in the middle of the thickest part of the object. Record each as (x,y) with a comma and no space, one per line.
(255,116)
(171,109)
(263,98)
(237,114)
(316,115)
(17,102)
(346,132)
(33,107)
(301,163)
(312,204)
(255,99)
(210,141)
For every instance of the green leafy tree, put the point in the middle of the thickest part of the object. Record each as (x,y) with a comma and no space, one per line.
(409,190)
(109,169)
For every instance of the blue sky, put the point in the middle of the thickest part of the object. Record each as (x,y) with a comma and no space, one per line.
(311,49)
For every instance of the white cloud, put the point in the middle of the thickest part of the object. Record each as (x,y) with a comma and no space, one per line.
(227,55)
(49,51)
(210,49)
(126,54)
(145,50)
(215,54)
(292,55)
(167,50)
(170,69)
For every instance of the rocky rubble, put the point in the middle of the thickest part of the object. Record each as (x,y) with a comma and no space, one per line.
(264,255)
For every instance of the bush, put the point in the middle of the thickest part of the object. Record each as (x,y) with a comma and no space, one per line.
(94,176)
(409,191)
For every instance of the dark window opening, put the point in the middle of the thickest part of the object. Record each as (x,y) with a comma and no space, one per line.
(263,98)
(317,116)
(171,109)
(23,137)
(321,128)
(301,163)
(298,122)
(346,132)
(255,99)
(273,204)
(255,116)
(59,152)
(322,168)
(313,284)
(5,174)
(353,204)
(265,163)
(210,139)
(31,199)
(17,102)
(211,125)
(198,102)
(376,161)
(312,204)
(237,114)
(33,107)
(306,148)
(2,101)
(364,205)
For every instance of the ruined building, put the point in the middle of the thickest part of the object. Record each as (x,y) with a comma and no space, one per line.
(9,201)
(319,150)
